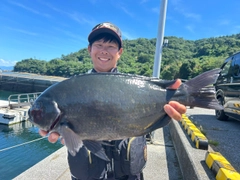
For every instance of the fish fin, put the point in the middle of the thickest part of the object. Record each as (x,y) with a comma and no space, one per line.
(204,79)
(71,139)
(163,83)
(96,148)
(201,92)
(206,99)
(123,143)
(106,143)
(159,123)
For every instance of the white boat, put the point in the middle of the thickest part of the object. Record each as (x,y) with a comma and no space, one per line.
(15,110)
(13,116)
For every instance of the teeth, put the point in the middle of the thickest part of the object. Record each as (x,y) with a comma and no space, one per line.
(103,59)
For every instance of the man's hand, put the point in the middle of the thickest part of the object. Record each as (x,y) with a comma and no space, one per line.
(53,137)
(173,108)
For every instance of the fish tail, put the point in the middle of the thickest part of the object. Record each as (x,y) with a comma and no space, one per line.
(201,92)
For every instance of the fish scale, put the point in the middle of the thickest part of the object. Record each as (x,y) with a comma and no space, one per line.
(89,108)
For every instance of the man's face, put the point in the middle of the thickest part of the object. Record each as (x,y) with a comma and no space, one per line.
(104,55)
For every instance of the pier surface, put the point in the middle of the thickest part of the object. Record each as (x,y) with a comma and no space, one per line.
(163,161)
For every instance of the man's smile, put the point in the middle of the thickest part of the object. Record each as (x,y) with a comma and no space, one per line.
(103,59)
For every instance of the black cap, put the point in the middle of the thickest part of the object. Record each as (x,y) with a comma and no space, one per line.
(106,28)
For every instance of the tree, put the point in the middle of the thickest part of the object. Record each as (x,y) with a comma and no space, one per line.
(31,66)
(186,69)
(181,58)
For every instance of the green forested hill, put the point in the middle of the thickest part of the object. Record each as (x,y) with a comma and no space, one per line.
(180,59)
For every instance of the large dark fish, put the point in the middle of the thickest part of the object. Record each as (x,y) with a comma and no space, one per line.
(90,108)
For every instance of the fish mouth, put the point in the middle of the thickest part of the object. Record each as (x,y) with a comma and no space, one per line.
(34,115)
(54,123)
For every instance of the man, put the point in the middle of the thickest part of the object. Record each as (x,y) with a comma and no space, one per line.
(105,48)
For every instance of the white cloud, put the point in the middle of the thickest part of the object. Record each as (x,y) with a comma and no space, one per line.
(143,1)
(72,15)
(7,63)
(190,28)
(126,10)
(23,31)
(235,29)
(128,36)
(224,22)
(29,9)
(80,18)
(192,15)
(155,10)
(72,35)
(52,7)
(180,8)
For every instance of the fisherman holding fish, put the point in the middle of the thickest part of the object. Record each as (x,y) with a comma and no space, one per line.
(105,48)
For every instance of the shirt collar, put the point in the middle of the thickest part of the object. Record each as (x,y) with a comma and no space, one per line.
(112,70)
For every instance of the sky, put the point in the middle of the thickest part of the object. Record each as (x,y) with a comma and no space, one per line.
(48,29)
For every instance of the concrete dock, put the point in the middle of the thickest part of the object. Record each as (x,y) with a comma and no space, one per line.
(171,157)
(26,82)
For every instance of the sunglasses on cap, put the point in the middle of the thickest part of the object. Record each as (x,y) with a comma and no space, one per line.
(110,26)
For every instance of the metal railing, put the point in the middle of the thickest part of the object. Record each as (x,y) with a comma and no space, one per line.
(24,99)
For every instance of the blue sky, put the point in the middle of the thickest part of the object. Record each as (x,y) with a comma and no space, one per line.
(46,29)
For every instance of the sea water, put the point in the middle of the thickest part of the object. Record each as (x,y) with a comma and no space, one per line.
(21,146)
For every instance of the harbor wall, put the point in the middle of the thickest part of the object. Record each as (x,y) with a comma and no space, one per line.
(26,82)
